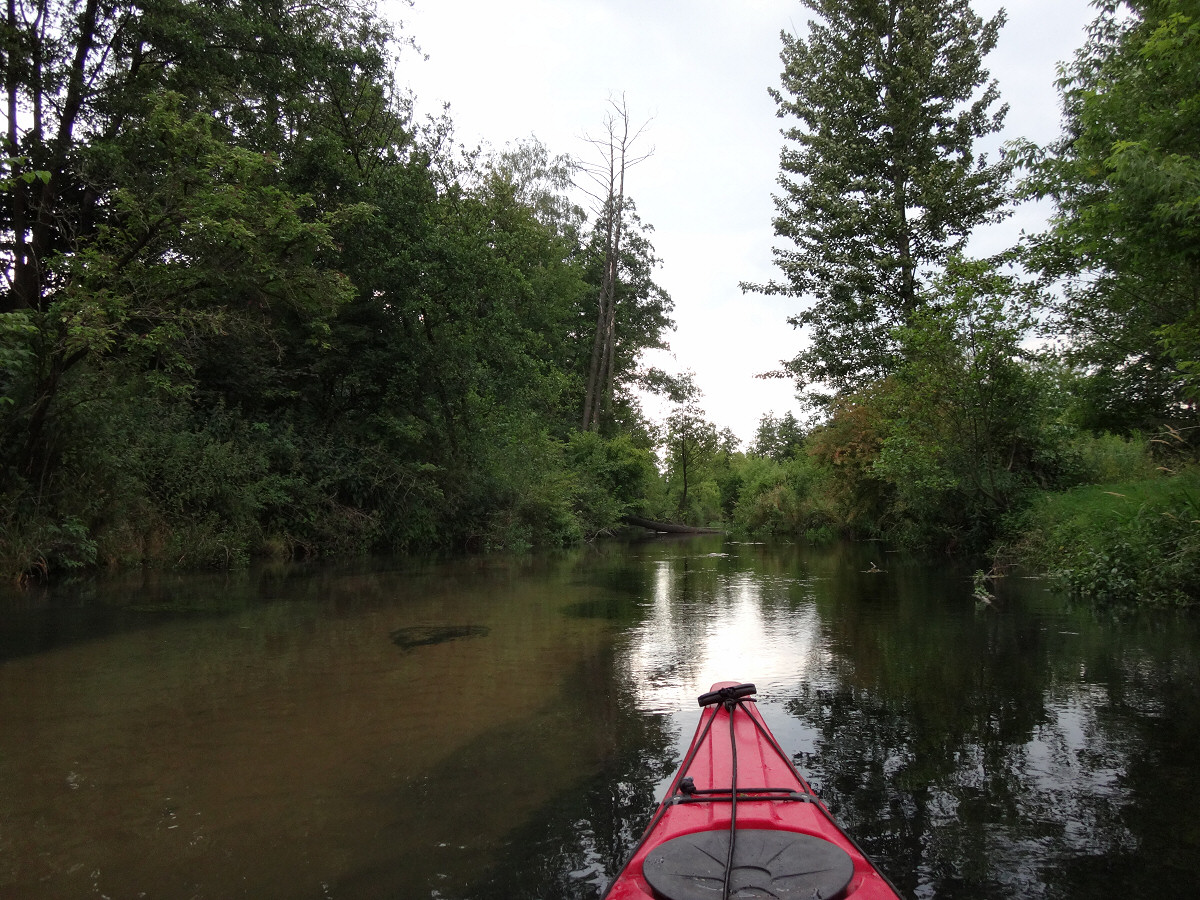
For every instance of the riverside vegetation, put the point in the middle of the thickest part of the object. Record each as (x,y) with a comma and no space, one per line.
(254,304)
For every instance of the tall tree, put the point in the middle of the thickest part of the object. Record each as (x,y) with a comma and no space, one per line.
(641,314)
(880,178)
(777,438)
(616,157)
(1125,177)
(79,76)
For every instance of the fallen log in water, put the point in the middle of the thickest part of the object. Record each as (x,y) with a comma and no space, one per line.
(668,527)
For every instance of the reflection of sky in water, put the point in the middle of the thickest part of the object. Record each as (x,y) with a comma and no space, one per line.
(709,622)
(1068,780)
(675,655)
(747,627)
(1075,768)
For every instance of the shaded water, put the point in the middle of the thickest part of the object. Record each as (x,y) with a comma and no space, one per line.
(500,728)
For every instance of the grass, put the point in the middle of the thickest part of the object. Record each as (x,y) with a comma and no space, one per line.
(1131,542)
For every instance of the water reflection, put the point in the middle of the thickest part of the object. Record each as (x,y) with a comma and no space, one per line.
(983,757)
(581,837)
(499,728)
(716,618)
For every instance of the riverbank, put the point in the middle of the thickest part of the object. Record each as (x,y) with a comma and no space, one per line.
(1133,542)
(1118,523)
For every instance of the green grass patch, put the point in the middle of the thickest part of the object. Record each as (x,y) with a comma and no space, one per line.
(1133,542)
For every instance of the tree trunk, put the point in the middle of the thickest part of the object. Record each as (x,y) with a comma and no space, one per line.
(595,382)
(667,527)
(614,149)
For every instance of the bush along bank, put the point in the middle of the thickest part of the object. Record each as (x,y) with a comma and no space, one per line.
(1110,519)
(1135,542)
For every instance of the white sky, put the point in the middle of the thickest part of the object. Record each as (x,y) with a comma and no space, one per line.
(700,70)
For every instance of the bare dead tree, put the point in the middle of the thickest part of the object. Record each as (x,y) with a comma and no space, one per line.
(614,148)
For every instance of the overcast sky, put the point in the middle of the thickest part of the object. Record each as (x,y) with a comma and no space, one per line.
(699,70)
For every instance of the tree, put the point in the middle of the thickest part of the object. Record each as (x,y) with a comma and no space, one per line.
(1125,177)
(880,179)
(541,182)
(777,438)
(963,436)
(161,215)
(691,441)
(454,363)
(249,304)
(80,75)
(615,147)
(641,314)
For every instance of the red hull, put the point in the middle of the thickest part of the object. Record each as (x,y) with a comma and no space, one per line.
(705,805)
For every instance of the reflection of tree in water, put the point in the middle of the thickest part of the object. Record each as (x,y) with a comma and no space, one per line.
(914,803)
(1147,731)
(623,584)
(974,754)
(579,840)
(974,758)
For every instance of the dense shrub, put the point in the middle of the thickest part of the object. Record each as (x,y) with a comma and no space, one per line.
(845,449)
(612,477)
(1110,458)
(784,499)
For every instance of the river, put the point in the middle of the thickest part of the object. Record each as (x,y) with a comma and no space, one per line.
(500,727)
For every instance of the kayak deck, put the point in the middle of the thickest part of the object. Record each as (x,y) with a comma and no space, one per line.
(738,821)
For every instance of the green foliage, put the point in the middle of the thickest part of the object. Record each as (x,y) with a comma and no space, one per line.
(691,444)
(846,448)
(613,476)
(526,489)
(518,493)
(936,455)
(1137,542)
(980,587)
(540,183)
(31,549)
(1125,177)
(943,428)
(254,309)
(784,499)
(175,263)
(17,355)
(14,171)
(777,438)
(641,315)
(880,177)
(1122,396)
(965,436)
(1111,458)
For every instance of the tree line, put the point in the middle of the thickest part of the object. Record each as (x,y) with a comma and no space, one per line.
(254,303)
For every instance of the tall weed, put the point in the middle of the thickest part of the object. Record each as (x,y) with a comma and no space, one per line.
(1111,458)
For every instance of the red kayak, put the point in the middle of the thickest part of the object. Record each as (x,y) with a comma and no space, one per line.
(738,822)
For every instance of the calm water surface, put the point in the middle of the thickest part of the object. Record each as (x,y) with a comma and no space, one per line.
(501,728)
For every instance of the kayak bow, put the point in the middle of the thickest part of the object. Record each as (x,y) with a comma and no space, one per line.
(738,822)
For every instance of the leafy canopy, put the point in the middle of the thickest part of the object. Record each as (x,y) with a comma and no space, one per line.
(1125,241)
(880,181)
